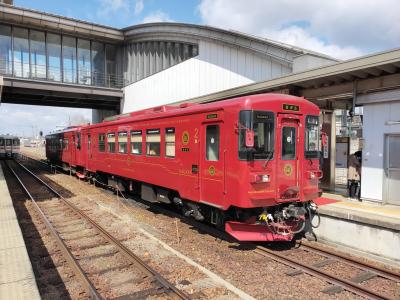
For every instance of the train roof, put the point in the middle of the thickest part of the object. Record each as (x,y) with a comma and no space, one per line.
(8,136)
(67,129)
(188,108)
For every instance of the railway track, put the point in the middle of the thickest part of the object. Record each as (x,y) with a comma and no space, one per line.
(365,271)
(105,267)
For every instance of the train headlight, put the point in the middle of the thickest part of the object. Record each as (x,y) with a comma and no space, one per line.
(259,178)
(314,174)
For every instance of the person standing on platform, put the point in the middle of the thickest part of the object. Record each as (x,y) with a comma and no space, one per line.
(354,179)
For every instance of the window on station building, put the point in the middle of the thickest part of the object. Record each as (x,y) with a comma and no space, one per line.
(123,142)
(212,142)
(102,146)
(111,142)
(69,59)
(170,142)
(84,63)
(38,54)
(111,66)
(98,65)
(153,139)
(136,141)
(54,57)
(5,50)
(21,52)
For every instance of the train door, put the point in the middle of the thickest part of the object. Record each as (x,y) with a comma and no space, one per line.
(212,158)
(288,162)
(89,148)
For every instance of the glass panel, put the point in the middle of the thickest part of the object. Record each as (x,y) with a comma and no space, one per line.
(312,137)
(136,141)
(262,124)
(212,143)
(69,59)
(54,56)
(1,142)
(288,143)
(111,142)
(21,52)
(5,50)
(84,63)
(170,142)
(38,54)
(111,65)
(102,146)
(122,142)
(394,150)
(98,63)
(153,139)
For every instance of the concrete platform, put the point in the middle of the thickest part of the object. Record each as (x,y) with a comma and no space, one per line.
(17,280)
(370,228)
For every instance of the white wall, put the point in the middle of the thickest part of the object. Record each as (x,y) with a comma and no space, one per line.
(308,61)
(374,129)
(217,67)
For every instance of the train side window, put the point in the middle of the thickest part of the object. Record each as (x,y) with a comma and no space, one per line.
(122,142)
(136,142)
(288,143)
(78,141)
(170,142)
(153,139)
(102,146)
(111,142)
(65,144)
(1,142)
(212,142)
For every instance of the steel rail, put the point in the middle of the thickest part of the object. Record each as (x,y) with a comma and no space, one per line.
(344,283)
(91,290)
(171,290)
(350,261)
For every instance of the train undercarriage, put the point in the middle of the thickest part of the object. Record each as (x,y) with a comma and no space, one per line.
(266,224)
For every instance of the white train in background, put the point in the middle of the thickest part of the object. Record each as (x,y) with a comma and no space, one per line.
(9,146)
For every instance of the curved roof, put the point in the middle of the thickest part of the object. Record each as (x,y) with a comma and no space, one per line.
(179,32)
(193,32)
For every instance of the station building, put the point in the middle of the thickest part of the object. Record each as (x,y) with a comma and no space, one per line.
(48,59)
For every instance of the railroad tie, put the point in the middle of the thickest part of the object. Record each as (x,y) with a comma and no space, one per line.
(320,264)
(364,276)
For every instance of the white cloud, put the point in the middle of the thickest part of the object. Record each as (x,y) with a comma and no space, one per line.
(139,5)
(340,28)
(157,16)
(120,8)
(26,119)
(297,36)
(107,6)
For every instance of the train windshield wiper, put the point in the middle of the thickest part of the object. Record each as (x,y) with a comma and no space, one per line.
(269,156)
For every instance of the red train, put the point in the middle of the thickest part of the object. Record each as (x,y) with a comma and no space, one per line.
(249,165)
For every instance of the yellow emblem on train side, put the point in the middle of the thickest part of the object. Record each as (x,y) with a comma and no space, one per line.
(287,169)
(185,137)
(211,170)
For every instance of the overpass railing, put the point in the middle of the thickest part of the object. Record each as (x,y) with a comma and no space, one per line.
(81,75)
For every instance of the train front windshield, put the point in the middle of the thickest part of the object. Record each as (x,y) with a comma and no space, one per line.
(312,137)
(261,123)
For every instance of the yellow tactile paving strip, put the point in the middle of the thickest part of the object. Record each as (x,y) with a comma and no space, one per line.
(16,276)
(390,211)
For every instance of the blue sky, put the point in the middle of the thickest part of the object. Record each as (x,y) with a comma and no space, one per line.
(341,28)
(91,10)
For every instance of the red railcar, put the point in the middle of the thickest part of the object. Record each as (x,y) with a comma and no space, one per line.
(249,165)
